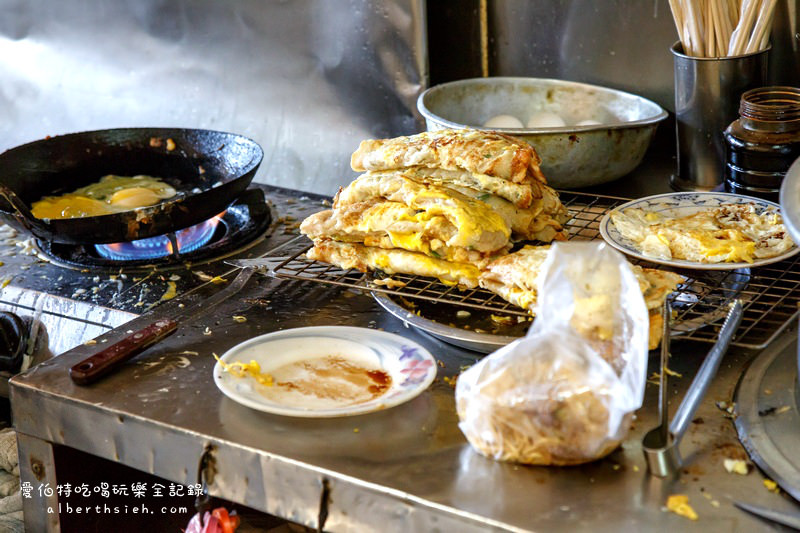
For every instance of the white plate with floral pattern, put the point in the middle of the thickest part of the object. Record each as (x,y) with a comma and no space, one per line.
(682,204)
(325,371)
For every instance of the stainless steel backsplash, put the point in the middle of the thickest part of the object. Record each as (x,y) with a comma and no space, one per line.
(622,44)
(308,79)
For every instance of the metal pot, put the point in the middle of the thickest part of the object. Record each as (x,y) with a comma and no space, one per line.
(572,156)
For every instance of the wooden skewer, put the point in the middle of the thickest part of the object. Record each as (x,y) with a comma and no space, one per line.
(742,31)
(754,39)
(765,38)
(677,16)
(695,27)
(711,42)
(737,30)
(763,28)
(719,28)
(723,21)
(734,8)
(716,28)
(751,22)
(688,46)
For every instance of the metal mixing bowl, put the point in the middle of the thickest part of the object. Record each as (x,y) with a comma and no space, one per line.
(572,156)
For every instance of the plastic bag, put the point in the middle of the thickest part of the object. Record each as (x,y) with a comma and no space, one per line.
(564,394)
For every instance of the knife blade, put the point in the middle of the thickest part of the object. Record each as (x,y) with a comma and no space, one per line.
(782,517)
(110,358)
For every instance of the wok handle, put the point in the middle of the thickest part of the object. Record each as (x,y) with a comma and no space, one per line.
(22,213)
(98,365)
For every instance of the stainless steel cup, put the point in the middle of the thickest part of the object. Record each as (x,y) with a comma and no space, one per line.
(707,92)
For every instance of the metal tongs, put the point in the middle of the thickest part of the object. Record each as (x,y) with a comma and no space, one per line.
(661,445)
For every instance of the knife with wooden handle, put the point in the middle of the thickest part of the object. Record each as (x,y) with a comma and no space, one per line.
(110,358)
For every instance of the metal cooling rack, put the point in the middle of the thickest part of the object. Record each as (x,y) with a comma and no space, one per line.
(770,294)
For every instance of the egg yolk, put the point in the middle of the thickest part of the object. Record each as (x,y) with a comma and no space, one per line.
(69,206)
(112,194)
(134,197)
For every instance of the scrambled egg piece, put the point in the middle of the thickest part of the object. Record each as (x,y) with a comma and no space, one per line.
(170,293)
(736,466)
(679,504)
(112,194)
(241,370)
(771,486)
(728,233)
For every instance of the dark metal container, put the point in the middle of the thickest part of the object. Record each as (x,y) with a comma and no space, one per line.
(763,142)
(707,90)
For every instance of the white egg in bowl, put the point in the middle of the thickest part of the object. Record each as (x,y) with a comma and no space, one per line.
(503,121)
(585,134)
(545,119)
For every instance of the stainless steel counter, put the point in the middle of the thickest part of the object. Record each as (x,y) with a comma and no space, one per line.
(404,469)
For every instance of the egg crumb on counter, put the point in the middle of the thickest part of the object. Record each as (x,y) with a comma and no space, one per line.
(170,292)
(679,504)
(502,319)
(771,486)
(736,466)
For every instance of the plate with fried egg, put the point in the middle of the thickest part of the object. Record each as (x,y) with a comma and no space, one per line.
(700,230)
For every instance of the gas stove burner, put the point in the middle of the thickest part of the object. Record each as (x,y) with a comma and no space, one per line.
(185,241)
(243,225)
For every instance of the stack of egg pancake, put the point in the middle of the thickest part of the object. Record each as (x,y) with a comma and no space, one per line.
(441,204)
(514,278)
(450,204)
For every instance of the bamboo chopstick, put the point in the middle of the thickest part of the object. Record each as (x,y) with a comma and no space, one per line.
(721,28)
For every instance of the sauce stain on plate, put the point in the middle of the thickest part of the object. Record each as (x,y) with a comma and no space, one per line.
(326,382)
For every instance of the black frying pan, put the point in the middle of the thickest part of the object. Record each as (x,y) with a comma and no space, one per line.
(209,169)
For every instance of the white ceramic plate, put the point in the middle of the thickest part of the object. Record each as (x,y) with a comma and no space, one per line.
(681,204)
(410,366)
